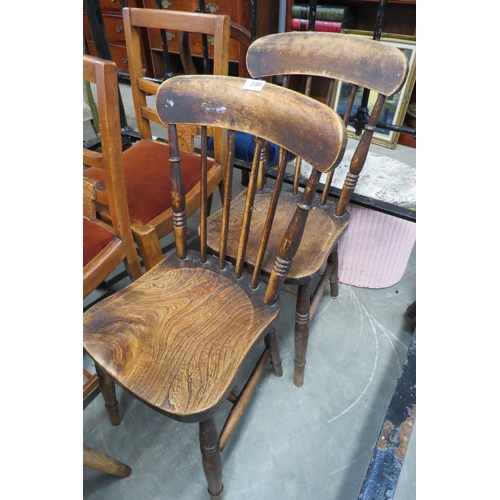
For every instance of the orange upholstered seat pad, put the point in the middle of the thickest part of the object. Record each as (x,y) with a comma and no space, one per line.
(147,178)
(95,239)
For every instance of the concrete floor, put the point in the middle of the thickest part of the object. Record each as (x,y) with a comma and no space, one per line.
(313,442)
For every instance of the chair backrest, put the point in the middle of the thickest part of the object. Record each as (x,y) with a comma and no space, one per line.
(103,74)
(294,122)
(365,63)
(237,33)
(135,19)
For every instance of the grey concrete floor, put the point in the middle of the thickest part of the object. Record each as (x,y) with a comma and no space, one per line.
(313,442)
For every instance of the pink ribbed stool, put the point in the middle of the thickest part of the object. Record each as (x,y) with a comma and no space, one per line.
(374,251)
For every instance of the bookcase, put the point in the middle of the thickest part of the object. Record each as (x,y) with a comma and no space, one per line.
(399,19)
(400,15)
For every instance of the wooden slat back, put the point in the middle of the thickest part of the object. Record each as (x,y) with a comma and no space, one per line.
(294,122)
(92,158)
(365,63)
(103,74)
(135,19)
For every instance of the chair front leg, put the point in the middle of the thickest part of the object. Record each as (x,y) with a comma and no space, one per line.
(334,275)
(149,247)
(108,391)
(211,458)
(301,332)
(272,343)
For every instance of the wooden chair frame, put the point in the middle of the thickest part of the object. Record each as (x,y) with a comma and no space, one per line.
(120,247)
(148,234)
(178,337)
(364,63)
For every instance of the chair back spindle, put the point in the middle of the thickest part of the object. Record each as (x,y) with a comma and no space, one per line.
(271,115)
(266,232)
(178,195)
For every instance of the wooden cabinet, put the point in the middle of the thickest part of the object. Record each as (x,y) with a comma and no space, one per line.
(267,14)
(240,11)
(113,24)
(400,17)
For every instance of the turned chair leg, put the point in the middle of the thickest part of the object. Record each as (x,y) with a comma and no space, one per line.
(108,391)
(334,275)
(301,332)
(211,458)
(104,463)
(272,343)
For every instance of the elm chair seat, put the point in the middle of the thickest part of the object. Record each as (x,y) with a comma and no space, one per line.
(310,255)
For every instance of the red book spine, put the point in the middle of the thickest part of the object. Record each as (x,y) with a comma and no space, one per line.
(303,25)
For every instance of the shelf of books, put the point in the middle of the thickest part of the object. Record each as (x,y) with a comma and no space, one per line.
(334,15)
(358,17)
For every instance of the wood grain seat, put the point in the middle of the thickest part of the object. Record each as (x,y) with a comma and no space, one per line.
(310,256)
(177,349)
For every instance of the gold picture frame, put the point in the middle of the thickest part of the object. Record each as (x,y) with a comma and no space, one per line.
(396,105)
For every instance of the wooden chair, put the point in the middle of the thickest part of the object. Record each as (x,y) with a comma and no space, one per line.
(178,337)
(365,63)
(146,164)
(105,246)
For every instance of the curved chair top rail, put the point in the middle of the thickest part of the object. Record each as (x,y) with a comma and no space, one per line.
(319,135)
(361,61)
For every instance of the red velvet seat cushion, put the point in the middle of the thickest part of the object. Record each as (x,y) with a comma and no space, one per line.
(147,178)
(95,239)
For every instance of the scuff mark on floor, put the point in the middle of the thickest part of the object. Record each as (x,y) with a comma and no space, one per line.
(375,361)
(345,466)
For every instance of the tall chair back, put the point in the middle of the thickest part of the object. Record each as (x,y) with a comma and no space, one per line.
(146,164)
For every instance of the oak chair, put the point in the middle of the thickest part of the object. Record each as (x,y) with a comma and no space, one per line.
(105,246)
(178,337)
(364,63)
(146,166)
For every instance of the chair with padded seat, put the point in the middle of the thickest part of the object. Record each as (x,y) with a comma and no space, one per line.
(105,246)
(178,337)
(364,63)
(146,166)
